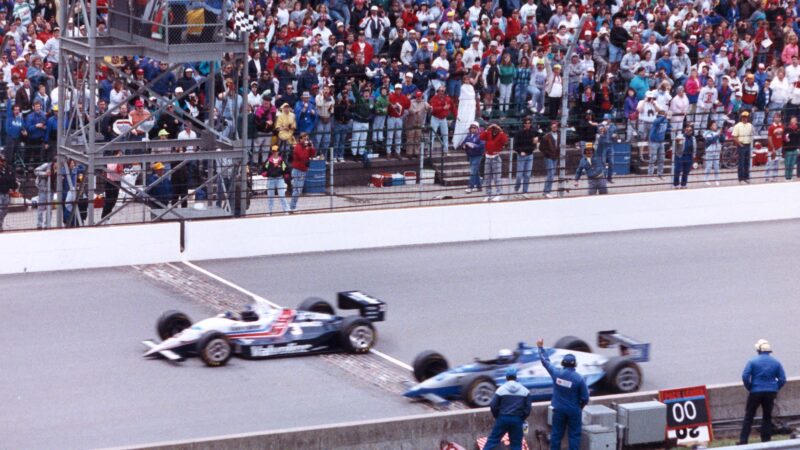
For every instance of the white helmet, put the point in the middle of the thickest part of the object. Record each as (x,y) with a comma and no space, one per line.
(762,346)
(505,355)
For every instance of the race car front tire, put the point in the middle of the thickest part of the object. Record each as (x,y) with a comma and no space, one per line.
(428,364)
(357,335)
(171,323)
(622,375)
(214,349)
(479,393)
(573,343)
(317,305)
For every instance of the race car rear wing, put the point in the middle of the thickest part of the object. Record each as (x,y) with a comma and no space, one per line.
(368,307)
(631,348)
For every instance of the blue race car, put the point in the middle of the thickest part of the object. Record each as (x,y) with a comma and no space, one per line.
(476,382)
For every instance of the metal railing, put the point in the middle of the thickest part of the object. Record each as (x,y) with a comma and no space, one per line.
(366,180)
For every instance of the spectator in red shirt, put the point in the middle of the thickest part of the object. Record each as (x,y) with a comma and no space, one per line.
(303,152)
(495,139)
(398,105)
(441,106)
(362,46)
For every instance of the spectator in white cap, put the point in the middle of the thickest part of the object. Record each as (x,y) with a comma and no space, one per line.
(763,377)
(409,48)
(374,25)
(473,54)
(474,147)
(254,97)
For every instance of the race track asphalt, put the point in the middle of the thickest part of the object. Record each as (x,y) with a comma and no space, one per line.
(73,376)
(702,296)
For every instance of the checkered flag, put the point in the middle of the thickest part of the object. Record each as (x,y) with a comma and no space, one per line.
(244,22)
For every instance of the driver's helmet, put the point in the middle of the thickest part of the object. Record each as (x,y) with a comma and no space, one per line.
(505,356)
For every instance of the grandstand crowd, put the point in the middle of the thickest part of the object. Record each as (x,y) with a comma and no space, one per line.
(360,76)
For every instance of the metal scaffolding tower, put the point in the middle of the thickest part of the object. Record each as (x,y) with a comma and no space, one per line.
(171,32)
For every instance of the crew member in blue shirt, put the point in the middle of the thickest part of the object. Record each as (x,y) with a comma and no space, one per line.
(570,395)
(510,406)
(763,377)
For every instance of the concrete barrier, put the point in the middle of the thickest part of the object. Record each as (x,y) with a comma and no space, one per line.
(727,401)
(87,248)
(456,223)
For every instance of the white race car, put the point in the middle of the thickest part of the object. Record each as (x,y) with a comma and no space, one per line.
(266,332)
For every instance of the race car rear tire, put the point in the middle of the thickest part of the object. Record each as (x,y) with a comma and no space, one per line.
(214,349)
(428,364)
(622,375)
(171,323)
(573,343)
(317,305)
(357,335)
(479,393)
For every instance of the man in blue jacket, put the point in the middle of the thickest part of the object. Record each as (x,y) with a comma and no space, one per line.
(570,395)
(36,124)
(658,134)
(763,377)
(15,132)
(510,406)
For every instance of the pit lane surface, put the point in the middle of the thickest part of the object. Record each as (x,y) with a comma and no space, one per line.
(73,376)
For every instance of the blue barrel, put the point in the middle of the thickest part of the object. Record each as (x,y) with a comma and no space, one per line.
(622,158)
(315,177)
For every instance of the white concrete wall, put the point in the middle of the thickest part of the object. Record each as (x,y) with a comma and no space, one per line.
(85,248)
(428,225)
(214,239)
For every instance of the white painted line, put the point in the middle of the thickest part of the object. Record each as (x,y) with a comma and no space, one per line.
(392,360)
(229,284)
(257,297)
(174,267)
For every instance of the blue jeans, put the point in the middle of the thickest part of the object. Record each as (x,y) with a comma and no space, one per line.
(492,172)
(607,152)
(524,169)
(743,152)
(440,126)
(280,185)
(340,131)
(614,53)
(520,97)
(298,181)
(562,420)
(502,425)
(453,88)
(394,134)
(537,96)
(379,129)
(681,170)
(550,168)
(656,155)
(322,137)
(359,141)
(475,172)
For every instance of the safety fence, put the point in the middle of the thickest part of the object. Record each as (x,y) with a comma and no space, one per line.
(198,190)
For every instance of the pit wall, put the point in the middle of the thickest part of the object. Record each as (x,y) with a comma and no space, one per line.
(727,401)
(213,239)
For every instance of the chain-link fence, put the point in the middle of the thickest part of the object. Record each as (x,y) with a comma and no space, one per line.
(358,169)
(168,22)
